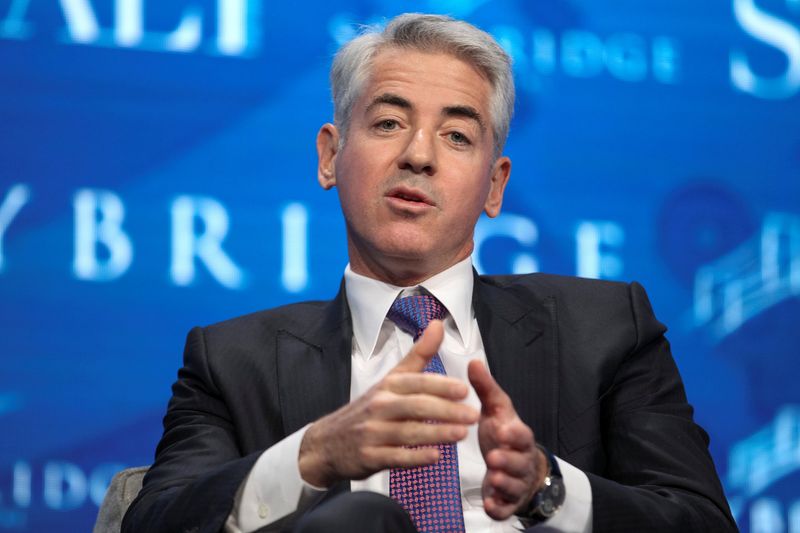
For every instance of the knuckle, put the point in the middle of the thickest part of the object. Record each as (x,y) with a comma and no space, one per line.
(360,431)
(527,431)
(367,403)
(411,433)
(457,432)
(420,433)
(378,402)
(365,456)
(415,406)
(498,479)
(408,457)
(367,430)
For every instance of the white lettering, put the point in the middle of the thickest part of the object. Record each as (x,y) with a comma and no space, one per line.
(665,60)
(592,238)
(625,57)
(16,197)
(294,272)
(81,21)
(188,34)
(14,26)
(510,38)
(766,516)
(128,26)
(64,486)
(775,32)
(544,51)
(517,227)
(207,246)
(581,54)
(235,30)
(794,514)
(98,220)
(238,31)
(100,479)
(22,484)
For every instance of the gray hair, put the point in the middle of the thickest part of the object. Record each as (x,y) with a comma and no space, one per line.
(427,33)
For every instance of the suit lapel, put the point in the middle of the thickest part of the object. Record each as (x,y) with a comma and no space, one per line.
(313,364)
(518,329)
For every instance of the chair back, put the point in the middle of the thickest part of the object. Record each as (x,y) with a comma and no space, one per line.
(124,487)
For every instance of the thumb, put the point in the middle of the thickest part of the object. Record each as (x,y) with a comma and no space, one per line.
(423,350)
(489,392)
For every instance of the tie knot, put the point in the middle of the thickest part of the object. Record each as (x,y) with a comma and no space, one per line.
(414,313)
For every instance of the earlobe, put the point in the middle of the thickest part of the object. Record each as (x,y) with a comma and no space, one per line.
(501,170)
(327,148)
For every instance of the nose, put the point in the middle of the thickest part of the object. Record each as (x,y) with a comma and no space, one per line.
(419,155)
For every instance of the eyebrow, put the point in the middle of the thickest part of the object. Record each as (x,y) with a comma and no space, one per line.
(390,99)
(459,111)
(464,111)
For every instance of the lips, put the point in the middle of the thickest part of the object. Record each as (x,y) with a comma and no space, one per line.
(411,195)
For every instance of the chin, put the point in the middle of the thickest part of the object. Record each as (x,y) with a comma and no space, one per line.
(406,253)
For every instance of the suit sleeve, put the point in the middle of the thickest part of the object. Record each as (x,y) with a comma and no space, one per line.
(659,475)
(198,466)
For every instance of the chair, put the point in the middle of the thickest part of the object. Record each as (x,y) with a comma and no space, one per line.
(124,487)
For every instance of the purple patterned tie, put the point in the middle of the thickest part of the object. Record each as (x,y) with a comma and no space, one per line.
(431,494)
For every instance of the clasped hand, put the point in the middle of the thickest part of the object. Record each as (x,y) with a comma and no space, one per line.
(374,432)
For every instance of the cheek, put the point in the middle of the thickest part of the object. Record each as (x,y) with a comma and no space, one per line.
(359,175)
(356,198)
(472,199)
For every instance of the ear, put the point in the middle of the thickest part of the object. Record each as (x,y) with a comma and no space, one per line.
(501,170)
(327,147)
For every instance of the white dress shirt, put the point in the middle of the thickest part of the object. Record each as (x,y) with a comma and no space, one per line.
(274,488)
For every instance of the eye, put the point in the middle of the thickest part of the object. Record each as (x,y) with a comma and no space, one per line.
(387,124)
(459,138)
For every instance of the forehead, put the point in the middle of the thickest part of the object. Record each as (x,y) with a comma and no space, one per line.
(427,80)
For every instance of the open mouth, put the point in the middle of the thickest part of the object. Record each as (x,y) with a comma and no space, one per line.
(410,195)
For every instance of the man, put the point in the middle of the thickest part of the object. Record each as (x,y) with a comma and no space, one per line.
(279,418)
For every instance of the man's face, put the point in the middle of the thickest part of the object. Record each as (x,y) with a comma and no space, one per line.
(417,168)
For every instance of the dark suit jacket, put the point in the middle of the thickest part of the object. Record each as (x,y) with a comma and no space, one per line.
(585,363)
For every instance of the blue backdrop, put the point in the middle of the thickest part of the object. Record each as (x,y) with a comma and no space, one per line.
(158,171)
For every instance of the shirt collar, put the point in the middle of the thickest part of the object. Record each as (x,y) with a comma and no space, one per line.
(370,299)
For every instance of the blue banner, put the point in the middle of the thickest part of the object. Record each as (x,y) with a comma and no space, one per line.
(159,172)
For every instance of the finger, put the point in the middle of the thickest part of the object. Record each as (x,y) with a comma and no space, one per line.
(423,350)
(497,508)
(491,395)
(517,435)
(514,463)
(383,457)
(418,433)
(427,383)
(508,489)
(424,407)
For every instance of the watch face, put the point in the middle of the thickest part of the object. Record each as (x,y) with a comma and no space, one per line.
(552,497)
(547,508)
(555,490)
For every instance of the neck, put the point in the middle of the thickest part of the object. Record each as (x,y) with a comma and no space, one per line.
(401,272)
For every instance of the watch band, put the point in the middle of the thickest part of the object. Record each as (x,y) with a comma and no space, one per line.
(546,502)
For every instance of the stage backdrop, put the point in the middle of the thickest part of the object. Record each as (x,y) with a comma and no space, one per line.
(157,171)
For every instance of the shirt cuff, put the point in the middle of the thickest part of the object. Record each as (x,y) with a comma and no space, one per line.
(575,516)
(273,489)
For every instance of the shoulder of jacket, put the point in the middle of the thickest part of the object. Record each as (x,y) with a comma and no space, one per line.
(271,320)
(556,284)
